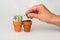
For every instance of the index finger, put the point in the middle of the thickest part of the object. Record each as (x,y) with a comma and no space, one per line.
(31,10)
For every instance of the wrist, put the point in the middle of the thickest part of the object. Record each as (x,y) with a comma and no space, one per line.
(55,20)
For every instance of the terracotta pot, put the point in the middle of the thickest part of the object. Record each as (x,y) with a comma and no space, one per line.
(17,26)
(27,25)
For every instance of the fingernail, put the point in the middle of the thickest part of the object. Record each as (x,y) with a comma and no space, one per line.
(29,15)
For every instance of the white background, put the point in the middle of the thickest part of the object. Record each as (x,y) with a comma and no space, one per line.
(39,30)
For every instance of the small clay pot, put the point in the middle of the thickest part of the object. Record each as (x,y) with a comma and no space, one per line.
(17,26)
(27,25)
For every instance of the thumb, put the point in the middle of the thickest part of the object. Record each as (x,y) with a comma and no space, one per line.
(32,15)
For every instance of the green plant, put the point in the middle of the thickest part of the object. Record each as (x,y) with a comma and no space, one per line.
(18,18)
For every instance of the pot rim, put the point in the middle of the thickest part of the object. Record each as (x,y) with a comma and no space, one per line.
(27,21)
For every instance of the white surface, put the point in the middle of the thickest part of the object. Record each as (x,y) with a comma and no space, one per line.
(39,31)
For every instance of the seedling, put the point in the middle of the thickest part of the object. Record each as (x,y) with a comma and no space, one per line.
(18,18)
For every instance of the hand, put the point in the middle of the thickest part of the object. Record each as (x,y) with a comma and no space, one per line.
(40,12)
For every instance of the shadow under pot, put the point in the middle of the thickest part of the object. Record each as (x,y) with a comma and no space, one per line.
(17,26)
(27,25)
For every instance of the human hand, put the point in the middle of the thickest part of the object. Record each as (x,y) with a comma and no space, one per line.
(40,12)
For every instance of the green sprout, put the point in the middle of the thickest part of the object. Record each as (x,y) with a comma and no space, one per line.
(18,18)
